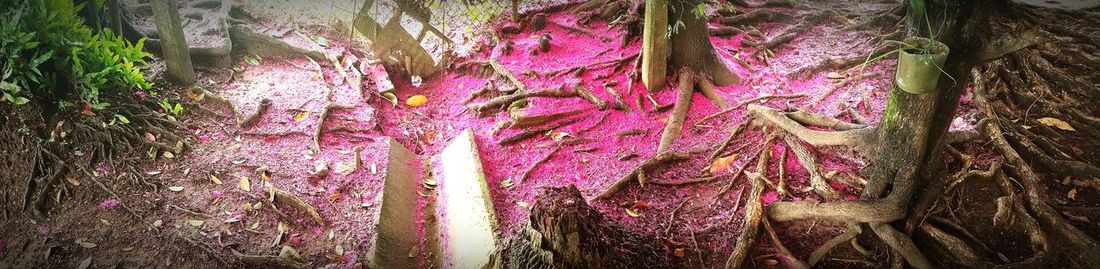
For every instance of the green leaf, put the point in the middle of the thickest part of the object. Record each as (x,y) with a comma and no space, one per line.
(251,60)
(41,59)
(321,41)
(391,97)
(20,100)
(700,10)
(122,119)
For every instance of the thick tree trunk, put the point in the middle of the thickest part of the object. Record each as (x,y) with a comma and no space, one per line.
(691,47)
(173,44)
(655,45)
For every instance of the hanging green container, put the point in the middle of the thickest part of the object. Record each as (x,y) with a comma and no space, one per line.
(920,65)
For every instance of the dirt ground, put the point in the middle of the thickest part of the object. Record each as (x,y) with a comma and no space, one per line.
(203,205)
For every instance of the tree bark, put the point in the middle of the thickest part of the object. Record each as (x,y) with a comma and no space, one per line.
(691,47)
(655,45)
(173,44)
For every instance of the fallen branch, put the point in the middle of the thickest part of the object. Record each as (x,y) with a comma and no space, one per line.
(590,97)
(501,102)
(531,133)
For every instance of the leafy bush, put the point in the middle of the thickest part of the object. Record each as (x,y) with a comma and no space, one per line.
(48,50)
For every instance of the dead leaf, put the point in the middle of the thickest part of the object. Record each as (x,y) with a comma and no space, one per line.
(415,250)
(175,188)
(245,185)
(834,75)
(150,137)
(524,205)
(335,196)
(679,252)
(215,180)
(339,250)
(168,155)
(1072,195)
(290,253)
(344,168)
(641,205)
(1056,123)
(301,116)
(631,213)
(85,263)
(196,223)
(722,163)
(416,100)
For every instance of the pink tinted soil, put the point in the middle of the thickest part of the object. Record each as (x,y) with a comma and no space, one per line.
(705,219)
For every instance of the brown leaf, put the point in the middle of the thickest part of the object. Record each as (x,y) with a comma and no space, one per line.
(722,163)
(1056,123)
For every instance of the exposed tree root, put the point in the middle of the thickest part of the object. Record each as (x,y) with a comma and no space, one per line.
(291,200)
(784,254)
(754,211)
(251,120)
(762,98)
(859,139)
(679,113)
(755,17)
(638,174)
(1076,245)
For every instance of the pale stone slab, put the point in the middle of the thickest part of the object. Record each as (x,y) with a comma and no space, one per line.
(395,224)
(469,224)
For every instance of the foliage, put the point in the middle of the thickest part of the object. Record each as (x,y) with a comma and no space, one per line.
(51,51)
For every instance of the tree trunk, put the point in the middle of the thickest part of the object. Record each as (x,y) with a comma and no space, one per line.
(173,44)
(655,45)
(691,47)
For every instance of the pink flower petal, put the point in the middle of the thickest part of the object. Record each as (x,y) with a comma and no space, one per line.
(109,204)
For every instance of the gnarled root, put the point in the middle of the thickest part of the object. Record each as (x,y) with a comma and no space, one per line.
(860,139)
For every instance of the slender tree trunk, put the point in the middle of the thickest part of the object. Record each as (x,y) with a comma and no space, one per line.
(172,41)
(655,45)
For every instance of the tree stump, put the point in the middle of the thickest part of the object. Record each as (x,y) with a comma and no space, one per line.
(565,232)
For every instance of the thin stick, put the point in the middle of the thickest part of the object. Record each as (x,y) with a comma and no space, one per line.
(527,173)
(661,159)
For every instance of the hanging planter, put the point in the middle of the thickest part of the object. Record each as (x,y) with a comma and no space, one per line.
(920,63)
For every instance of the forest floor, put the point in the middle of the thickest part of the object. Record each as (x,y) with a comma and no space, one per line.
(209,195)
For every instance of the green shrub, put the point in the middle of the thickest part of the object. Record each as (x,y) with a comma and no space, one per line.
(48,51)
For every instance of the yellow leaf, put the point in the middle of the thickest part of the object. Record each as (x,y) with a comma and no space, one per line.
(416,100)
(631,213)
(722,163)
(1056,123)
(245,185)
(301,116)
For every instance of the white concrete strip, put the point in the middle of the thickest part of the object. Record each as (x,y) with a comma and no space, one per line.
(468,226)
